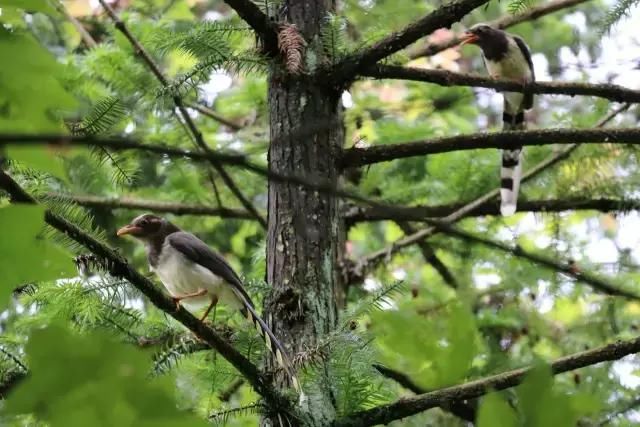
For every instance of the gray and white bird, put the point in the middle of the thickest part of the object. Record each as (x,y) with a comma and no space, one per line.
(197,275)
(507,56)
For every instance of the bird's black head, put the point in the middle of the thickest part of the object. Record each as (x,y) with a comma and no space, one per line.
(148,227)
(491,40)
(482,35)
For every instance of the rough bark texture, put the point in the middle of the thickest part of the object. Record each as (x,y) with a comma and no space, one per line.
(304,231)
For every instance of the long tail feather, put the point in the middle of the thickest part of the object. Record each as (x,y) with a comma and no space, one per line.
(272,343)
(511,170)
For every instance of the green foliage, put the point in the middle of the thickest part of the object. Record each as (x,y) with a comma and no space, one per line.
(540,405)
(518,6)
(333,36)
(27,258)
(80,381)
(28,5)
(505,314)
(620,10)
(437,354)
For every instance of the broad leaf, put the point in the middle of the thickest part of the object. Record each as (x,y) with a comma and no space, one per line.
(93,381)
(495,412)
(24,255)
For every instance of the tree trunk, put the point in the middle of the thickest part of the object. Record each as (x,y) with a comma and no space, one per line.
(305,234)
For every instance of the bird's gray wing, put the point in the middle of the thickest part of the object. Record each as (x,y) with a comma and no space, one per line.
(528,98)
(198,251)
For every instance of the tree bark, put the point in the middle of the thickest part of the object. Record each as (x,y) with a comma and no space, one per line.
(305,235)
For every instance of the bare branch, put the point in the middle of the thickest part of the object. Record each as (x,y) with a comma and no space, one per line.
(88,40)
(355,157)
(357,214)
(406,407)
(252,15)
(443,17)
(215,116)
(597,283)
(152,205)
(506,21)
(460,409)
(430,256)
(197,135)
(447,78)
(120,268)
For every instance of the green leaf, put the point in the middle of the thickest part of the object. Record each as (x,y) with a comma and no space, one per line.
(436,353)
(29,5)
(540,404)
(24,256)
(41,158)
(107,386)
(495,412)
(32,99)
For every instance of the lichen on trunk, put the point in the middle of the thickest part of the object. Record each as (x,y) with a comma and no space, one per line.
(305,233)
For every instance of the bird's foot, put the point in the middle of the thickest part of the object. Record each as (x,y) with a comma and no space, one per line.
(179,298)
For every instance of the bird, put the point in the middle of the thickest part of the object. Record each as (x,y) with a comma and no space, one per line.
(507,56)
(195,275)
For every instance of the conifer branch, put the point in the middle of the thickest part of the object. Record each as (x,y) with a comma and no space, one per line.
(357,214)
(356,157)
(120,268)
(504,22)
(11,380)
(442,17)
(152,205)
(448,78)
(408,406)
(179,103)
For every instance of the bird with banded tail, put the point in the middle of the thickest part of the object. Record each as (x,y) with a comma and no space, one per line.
(196,276)
(507,56)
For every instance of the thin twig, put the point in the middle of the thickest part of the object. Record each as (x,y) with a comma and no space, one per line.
(14,359)
(597,283)
(504,22)
(443,17)
(214,115)
(152,205)
(199,139)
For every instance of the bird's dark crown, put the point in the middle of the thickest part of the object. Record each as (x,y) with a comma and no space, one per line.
(493,42)
(147,227)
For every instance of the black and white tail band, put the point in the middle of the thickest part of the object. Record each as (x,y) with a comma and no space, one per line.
(511,169)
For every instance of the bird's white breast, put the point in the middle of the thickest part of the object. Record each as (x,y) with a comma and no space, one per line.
(513,66)
(182,276)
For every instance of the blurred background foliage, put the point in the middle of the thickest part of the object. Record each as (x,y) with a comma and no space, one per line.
(504,312)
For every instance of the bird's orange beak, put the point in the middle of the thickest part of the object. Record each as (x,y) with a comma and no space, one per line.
(128,229)
(468,38)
